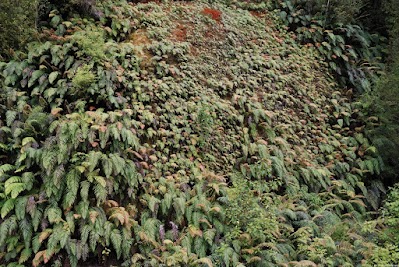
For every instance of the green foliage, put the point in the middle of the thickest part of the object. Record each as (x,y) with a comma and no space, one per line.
(353,54)
(386,232)
(331,12)
(91,43)
(382,102)
(17,25)
(83,77)
(141,140)
(392,10)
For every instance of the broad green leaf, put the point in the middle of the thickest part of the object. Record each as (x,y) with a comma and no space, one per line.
(52,77)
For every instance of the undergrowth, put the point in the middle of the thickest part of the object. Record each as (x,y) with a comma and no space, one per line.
(225,143)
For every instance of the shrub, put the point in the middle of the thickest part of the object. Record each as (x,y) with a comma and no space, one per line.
(352,53)
(384,98)
(17,24)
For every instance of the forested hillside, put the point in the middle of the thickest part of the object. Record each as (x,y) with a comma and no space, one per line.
(198,133)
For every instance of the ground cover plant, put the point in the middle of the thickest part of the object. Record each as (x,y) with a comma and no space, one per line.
(182,134)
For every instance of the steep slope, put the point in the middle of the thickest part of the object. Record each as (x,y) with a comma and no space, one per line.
(180,134)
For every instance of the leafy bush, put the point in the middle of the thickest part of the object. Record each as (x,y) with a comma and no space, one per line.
(382,102)
(125,142)
(386,231)
(17,24)
(392,9)
(353,54)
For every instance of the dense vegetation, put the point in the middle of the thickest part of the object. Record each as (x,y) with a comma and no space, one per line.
(213,133)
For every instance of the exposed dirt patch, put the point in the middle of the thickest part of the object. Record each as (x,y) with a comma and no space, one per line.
(213,13)
(180,33)
(259,14)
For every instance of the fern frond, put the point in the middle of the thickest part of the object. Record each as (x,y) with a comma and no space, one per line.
(25,255)
(83,209)
(6,168)
(209,236)
(53,214)
(278,166)
(36,218)
(14,189)
(26,228)
(116,240)
(151,226)
(84,190)
(72,182)
(130,139)
(206,261)
(107,166)
(118,163)
(8,206)
(153,204)
(137,257)
(166,202)
(179,205)
(20,207)
(127,242)
(93,157)
(94,237)
(100,192)
(200,247)
(10,117)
